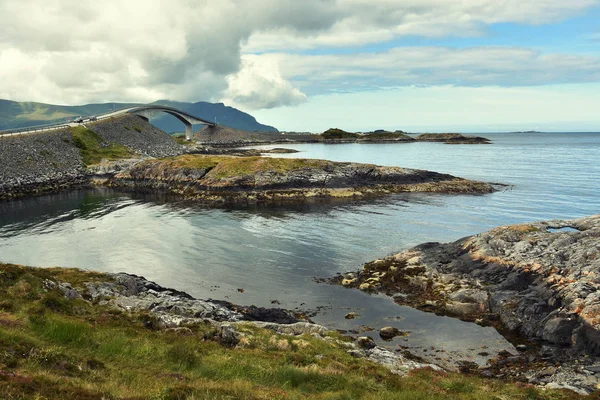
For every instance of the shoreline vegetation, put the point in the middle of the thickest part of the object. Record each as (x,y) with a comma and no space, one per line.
(67,333)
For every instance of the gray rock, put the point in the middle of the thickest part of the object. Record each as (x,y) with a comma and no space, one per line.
(593,368)
(229,335)
(352,315)
(389,333)
(559,330)
(101,290)
(475,296)
(556,386)
(296,329)
(49,161)
(68,290)
(542,283)
(395,362)
(521,347)
(357,353)
(365,342)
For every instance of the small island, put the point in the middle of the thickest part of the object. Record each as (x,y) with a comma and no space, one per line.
(452,138)
(249,180)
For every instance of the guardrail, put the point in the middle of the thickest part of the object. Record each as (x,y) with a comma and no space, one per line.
(37,128)
(99,116)
(49,127)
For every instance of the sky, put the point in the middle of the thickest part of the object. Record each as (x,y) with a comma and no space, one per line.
(414,65)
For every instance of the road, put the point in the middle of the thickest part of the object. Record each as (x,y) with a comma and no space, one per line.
(51,127)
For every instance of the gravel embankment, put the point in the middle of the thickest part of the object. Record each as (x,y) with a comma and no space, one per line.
(139,135)
(39,162)
(49,161)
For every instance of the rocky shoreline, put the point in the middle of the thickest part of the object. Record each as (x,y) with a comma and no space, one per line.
(535,282)
(228,137)
(173,310)
(225,180)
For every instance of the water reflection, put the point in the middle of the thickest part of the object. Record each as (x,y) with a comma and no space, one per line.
(273,253)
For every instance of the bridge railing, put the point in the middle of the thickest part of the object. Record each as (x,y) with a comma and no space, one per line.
(103,115)
(37,128)
(48,127)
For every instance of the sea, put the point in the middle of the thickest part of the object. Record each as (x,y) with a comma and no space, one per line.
(274,256)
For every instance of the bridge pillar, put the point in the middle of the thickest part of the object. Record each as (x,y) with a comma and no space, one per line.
(188,131)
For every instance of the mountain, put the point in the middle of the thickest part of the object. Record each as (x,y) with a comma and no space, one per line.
(18,115)
(218,112)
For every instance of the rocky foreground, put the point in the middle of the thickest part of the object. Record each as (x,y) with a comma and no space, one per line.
(173,309)
(248,180)
(538,281)
(71,334)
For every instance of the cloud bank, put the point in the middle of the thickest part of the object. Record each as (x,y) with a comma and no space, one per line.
(257,54)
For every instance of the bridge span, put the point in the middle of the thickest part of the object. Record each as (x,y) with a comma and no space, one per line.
(144,111)
(187,119)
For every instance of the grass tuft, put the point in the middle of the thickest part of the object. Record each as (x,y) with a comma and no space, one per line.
(93,148)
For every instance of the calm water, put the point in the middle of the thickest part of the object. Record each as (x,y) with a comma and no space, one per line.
(273,254)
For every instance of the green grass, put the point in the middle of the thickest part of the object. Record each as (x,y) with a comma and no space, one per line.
(93,148)
(386,135)
(182,140)
(242,166)
(222,167)
(190,161)
(71,349)
(335,133)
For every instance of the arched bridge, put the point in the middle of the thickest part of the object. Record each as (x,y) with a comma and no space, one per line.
(145,112)
(188,119)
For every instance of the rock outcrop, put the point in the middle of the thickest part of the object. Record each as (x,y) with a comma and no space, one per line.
(452,138)
(39,162)
(138,135)
(541,280)
(230,180)
(538,282)
(173,310)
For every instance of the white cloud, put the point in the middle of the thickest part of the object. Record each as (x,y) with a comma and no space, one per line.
(481,66)
(259,85)
(565,108)
(75,51)
(361,22)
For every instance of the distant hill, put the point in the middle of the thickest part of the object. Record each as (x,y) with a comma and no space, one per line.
(219,112)
(19,115)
